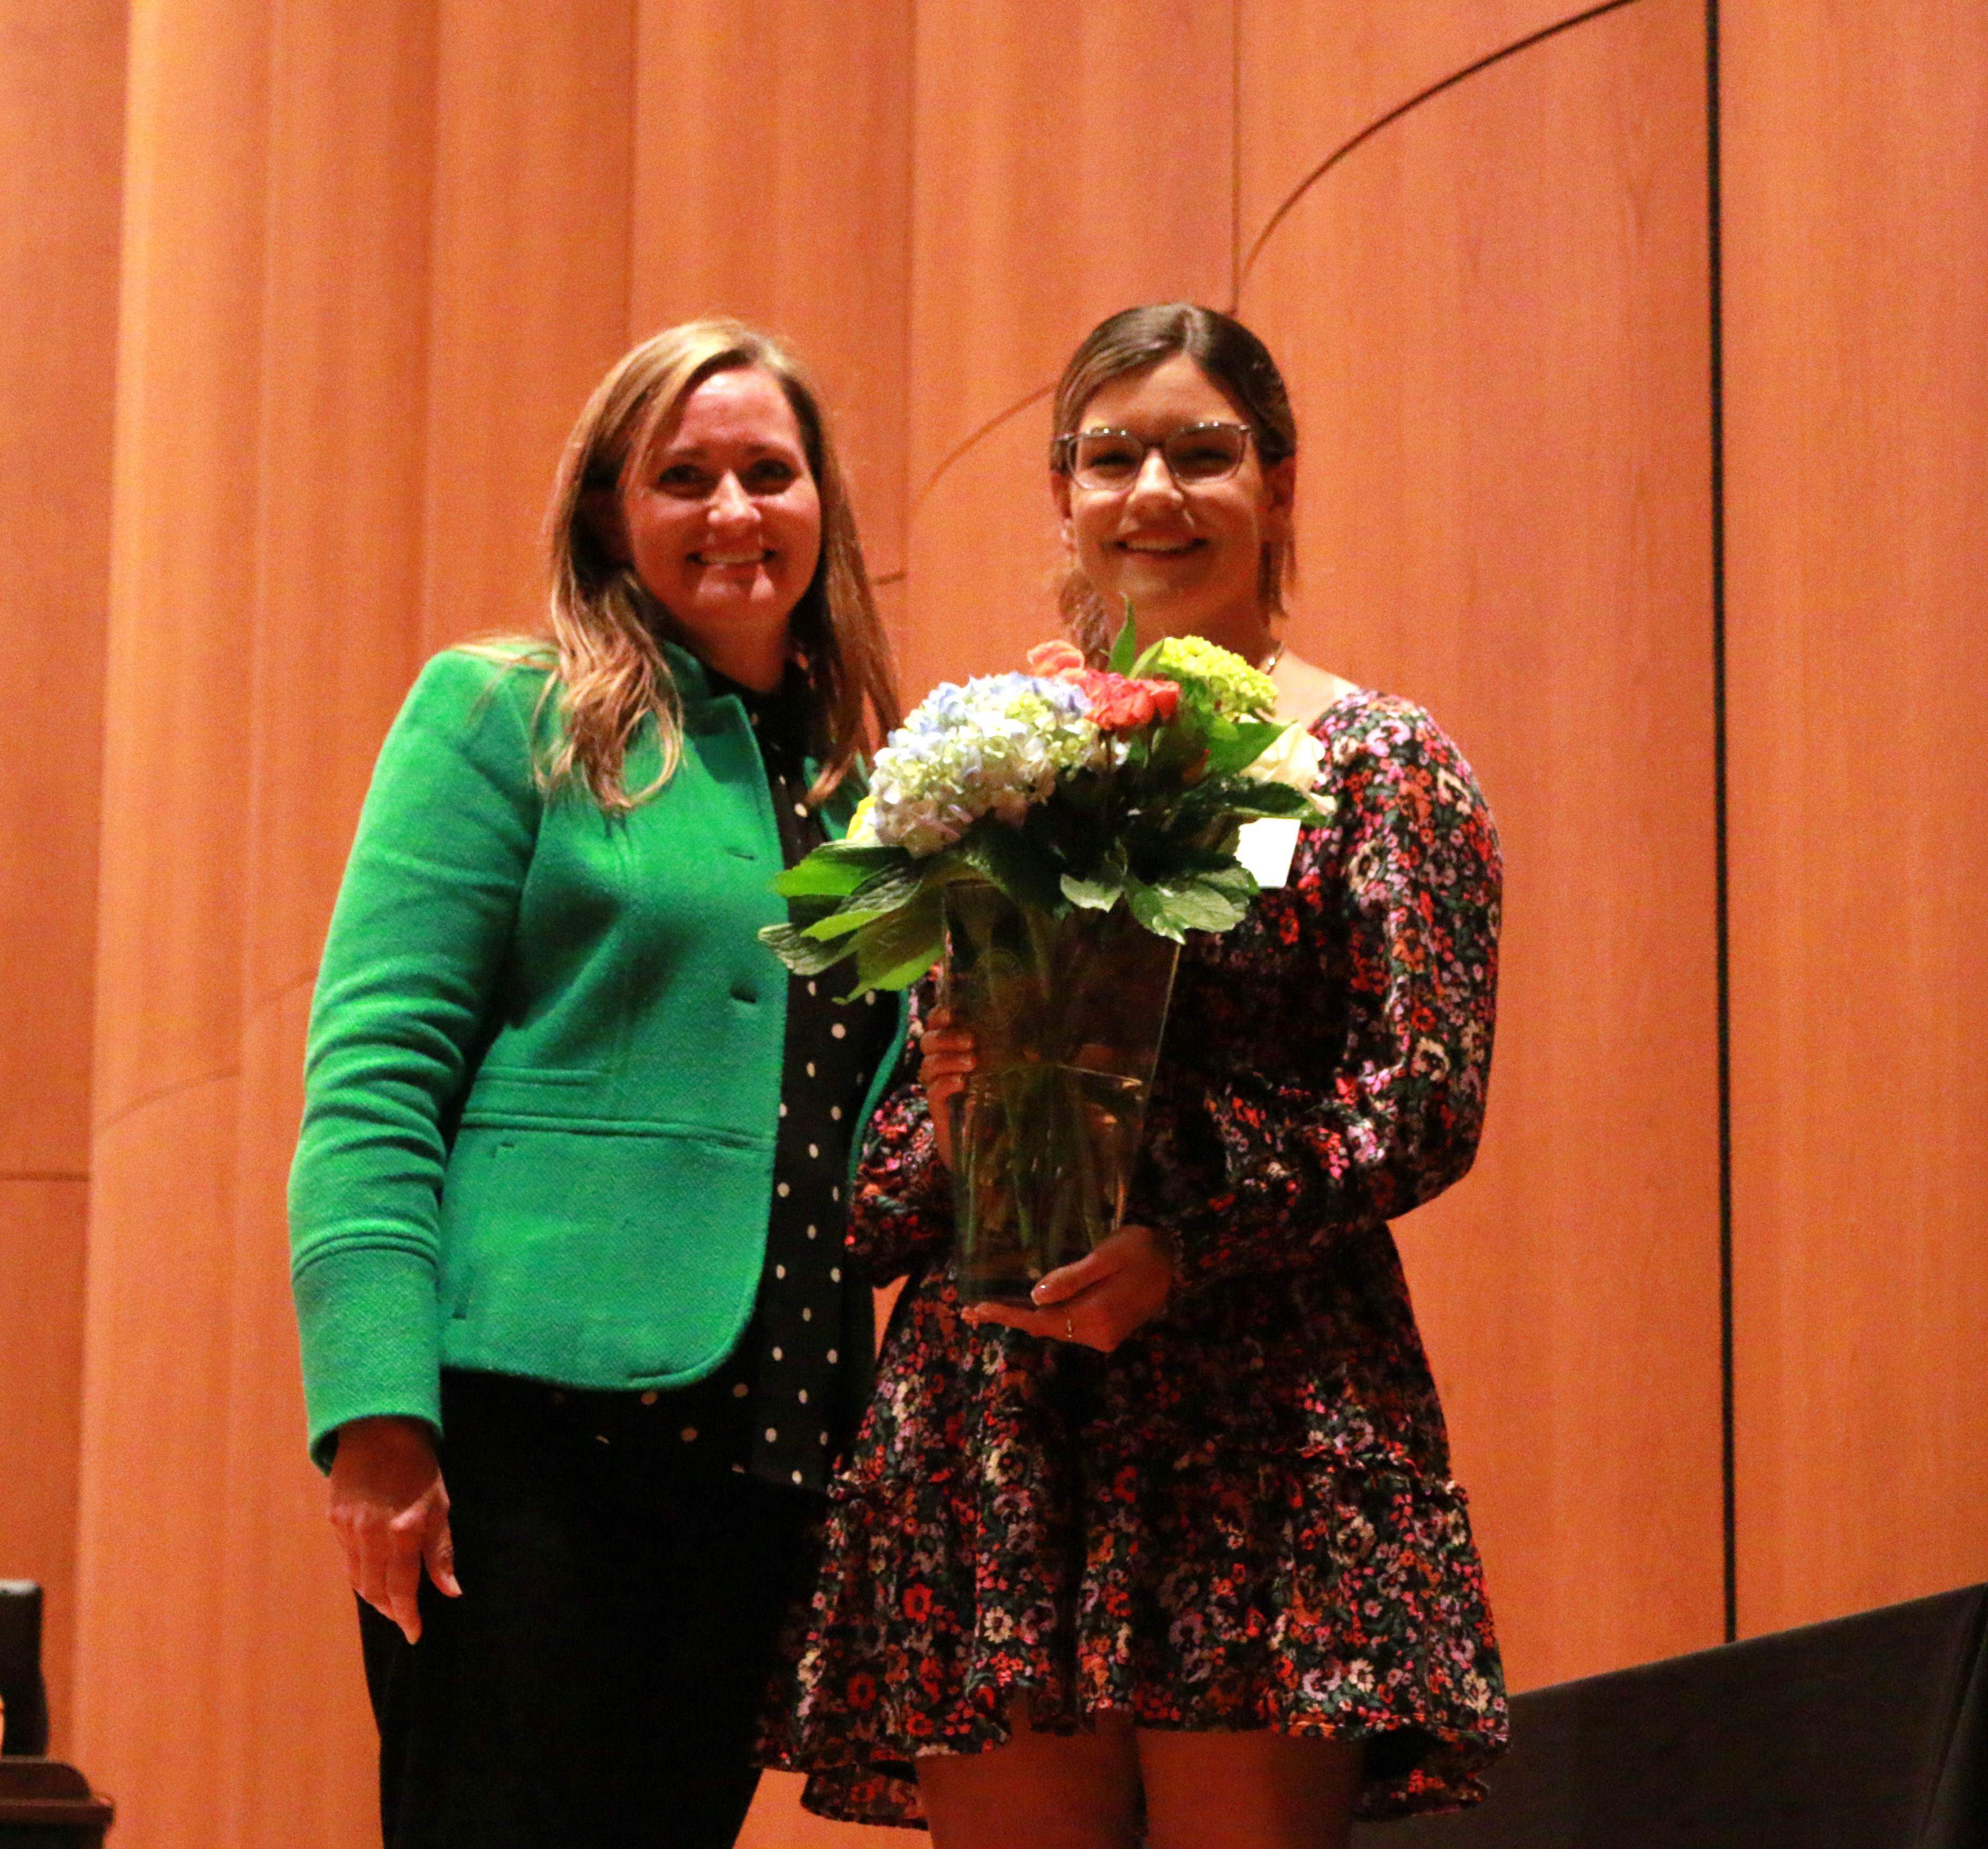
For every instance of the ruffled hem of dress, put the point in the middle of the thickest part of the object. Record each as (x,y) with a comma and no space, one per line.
(1444,1775)
(855,1725)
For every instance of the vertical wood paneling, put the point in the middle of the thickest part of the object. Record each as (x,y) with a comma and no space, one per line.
(149,1692)
(337,535)
(1069,160)
(1495,318)
(772,182)
(1315,73)
(62,86)
(366,284)
(59,168)
(530,269)
(985,556)
(1856,318)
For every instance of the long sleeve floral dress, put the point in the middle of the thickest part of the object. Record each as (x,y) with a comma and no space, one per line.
(1244,1516)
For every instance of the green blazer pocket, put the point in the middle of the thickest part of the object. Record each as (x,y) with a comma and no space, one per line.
(604,1259)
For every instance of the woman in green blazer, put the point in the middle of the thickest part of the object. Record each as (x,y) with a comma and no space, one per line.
(566,1213)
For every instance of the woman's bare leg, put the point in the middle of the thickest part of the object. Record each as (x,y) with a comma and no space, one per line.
(1049,1790)
(1253,1790)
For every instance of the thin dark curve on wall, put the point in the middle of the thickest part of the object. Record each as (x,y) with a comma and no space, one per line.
(45,1175)
(888,577)
(1400,109)
(1715,232)
(960,448)
(1331,160)
(192,1081)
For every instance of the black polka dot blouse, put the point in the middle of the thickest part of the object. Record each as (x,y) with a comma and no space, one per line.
(785,1405)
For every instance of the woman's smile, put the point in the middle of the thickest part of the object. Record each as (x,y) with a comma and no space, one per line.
(1189,558)
(723,522)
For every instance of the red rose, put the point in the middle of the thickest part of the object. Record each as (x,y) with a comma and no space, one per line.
(1121,703)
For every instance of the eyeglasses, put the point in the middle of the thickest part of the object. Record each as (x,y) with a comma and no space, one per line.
(1195,454)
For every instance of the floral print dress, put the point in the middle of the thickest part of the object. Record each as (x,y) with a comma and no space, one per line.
(1244,1517)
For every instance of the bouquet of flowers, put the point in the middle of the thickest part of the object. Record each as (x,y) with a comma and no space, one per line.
(1066,788)
(1053,836)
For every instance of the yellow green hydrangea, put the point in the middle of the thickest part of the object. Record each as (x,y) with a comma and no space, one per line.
(1236,687)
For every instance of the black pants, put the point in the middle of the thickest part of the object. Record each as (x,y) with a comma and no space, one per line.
(598,1680)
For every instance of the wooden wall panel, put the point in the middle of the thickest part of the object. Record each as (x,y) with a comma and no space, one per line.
(985,556)
(338,575)
(1856,320)
(62,89)
(153,1522)
(366,284)
(1069,160)
(1495,319)
(1312,75)
(60,172)
(773,181)
(530,267)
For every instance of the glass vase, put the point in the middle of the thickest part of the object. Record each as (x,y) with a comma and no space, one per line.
(1067,1015)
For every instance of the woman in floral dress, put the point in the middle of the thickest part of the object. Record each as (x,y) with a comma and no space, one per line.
(1178,1549)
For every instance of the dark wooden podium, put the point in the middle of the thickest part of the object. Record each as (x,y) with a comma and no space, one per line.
(45,1804)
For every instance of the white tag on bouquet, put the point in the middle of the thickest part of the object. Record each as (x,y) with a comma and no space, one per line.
(1266,846)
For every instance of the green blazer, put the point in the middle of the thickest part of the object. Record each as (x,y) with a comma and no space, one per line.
(543,1072)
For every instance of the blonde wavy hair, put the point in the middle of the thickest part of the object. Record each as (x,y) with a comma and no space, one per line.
(610,673)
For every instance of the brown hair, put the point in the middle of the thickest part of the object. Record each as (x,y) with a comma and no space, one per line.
(1241,367)
(611,672)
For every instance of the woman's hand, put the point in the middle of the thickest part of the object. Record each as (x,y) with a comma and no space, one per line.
(1102,1298)
(946,1062)
(390,1513)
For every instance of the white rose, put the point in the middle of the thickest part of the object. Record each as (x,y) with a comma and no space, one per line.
(1293,757)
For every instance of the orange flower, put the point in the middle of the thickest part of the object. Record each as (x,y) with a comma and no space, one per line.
(1119,704)
(1055,661)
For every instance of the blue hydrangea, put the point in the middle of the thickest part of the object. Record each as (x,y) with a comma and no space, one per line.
(992,747)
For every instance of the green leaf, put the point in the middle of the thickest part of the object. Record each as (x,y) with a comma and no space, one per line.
(1214,901)
(1179,747)
(801,955)
(1149,906)
(1247,797)
(836,868)
(839,924)
(894,952)
(1093,895)
(1235,881)
(882,893)
(1007,857)
(1234,744)
(1125,648)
